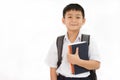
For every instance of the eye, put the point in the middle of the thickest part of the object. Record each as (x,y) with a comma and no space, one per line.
(69,17)
(78,17)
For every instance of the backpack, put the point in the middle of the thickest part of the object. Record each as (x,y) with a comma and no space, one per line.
(59,44)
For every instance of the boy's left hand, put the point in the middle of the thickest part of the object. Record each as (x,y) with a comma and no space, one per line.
(73,58)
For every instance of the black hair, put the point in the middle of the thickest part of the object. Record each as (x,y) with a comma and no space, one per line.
(73,6)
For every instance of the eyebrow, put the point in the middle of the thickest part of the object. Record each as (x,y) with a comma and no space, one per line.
(75,14)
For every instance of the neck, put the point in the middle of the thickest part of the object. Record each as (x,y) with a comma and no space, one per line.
(72,35)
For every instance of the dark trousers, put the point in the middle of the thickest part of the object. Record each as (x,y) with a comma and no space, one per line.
(60,77)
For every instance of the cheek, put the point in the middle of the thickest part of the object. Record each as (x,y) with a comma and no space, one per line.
(66,22)
(81,23)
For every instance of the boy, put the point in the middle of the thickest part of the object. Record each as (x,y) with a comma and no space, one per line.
(73,19)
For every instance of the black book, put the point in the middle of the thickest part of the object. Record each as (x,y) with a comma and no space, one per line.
(83,54)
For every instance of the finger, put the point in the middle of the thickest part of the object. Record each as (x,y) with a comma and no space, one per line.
(68,57)
(77,50)
(69,50)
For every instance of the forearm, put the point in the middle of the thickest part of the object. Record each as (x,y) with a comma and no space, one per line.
(53,74)
(88,64)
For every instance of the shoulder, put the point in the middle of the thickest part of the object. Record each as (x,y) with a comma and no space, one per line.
(92,38)
(57,39)
(60,36)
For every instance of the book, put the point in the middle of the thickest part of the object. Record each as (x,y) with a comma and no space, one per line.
(83,54)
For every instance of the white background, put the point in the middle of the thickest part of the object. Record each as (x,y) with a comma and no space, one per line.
(28,27)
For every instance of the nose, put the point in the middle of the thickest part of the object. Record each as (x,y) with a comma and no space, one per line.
(74,19)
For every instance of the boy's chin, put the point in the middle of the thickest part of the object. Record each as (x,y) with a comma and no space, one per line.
(74,30)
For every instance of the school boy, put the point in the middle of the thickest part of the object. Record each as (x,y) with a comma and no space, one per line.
(73,19)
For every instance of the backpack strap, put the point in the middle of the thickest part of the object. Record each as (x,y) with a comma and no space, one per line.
(86,38)
(59,44)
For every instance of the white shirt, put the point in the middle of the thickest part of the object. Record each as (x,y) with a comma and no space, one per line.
(64,68)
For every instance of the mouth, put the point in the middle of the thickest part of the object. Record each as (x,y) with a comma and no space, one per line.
(73,24)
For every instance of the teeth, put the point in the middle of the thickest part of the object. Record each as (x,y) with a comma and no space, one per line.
(73,24)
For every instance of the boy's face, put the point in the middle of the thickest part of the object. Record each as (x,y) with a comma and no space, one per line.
(73,20)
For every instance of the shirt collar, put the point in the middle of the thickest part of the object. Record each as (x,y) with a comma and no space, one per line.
(77,39)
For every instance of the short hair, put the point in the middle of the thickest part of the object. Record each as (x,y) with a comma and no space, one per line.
(73,6)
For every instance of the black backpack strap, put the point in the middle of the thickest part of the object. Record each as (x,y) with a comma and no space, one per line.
(86,38)
(59,44)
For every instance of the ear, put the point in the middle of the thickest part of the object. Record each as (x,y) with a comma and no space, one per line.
(84,20)
(63,20)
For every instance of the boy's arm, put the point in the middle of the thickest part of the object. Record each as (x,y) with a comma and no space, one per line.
(88,64)
(53,74)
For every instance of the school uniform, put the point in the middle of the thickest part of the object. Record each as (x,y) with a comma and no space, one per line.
(64,70)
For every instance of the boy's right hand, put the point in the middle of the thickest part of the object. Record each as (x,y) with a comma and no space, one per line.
(73,58)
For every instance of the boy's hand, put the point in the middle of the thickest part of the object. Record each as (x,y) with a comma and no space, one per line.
(73,58)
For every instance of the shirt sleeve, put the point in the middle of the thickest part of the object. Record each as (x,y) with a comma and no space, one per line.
(51,59)
(94,50)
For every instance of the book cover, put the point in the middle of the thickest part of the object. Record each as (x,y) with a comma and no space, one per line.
(83,54)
